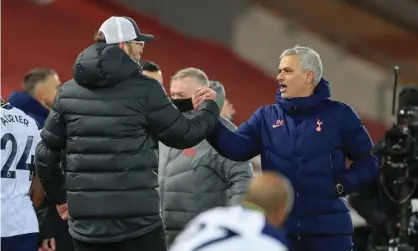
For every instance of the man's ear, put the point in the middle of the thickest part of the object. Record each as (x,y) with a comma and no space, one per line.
(310,77)
(121,45)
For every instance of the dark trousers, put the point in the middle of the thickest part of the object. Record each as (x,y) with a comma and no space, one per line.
(152,241)
(322,243)
(63,239)
(24,242)
(361,238)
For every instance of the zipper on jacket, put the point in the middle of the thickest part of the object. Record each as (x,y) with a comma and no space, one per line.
(164,176)
(332,174)
(297,165)
(330,161)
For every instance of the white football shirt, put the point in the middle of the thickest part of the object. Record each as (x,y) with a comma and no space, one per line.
(19,137)
(229,228)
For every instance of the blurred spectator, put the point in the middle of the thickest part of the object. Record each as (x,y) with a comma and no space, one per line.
(40,86)
(252,226)
(228,110)
(181,170)
(108,121)
(152,70)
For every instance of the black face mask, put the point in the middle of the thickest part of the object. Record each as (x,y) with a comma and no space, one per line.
(184,104)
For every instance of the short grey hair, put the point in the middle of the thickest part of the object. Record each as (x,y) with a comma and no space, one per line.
(309,60)
(191,72)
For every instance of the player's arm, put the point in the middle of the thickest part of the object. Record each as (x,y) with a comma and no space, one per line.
(357,146)
(48,154)
(241,145)
(37,192)
(236,174)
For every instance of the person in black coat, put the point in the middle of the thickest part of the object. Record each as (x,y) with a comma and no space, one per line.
(103,130)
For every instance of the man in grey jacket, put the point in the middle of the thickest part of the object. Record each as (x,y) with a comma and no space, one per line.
(196,179)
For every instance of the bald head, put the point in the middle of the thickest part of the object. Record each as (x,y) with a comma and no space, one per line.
(273,193)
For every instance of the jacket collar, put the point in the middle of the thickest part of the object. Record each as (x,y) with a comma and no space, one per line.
(322,93)
(27,104)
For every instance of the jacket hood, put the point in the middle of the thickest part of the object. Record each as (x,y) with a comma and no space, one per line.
(102,65)
(322,93)
(220,93)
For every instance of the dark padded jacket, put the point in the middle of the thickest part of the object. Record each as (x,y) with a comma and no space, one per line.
(104,127)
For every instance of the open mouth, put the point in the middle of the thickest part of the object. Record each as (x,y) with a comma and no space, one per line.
(283,87)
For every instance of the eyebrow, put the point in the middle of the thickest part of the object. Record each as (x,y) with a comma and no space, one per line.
(285,68)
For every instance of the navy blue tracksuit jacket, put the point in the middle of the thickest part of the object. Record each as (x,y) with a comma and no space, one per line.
(308,140)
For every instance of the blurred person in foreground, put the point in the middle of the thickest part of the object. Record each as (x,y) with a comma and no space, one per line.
(40,87)
(306,136)
(103,128)
(198,178)
(252,226)
(152,70)
(19,136)
(228,111)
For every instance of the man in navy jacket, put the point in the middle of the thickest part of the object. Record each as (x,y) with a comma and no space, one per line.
(307,137)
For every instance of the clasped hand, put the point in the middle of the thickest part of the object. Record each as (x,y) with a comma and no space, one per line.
(202,94)
(63,211)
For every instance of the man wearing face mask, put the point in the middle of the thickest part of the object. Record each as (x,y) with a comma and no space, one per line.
(198,178)
(307,137)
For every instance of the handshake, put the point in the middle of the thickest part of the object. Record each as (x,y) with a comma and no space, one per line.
(202,94)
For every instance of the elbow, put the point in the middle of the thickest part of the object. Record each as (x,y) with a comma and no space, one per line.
(230,151)
(240,155)
(182,145)
(374,166)
(232,155)
(369,166)
(45,157)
